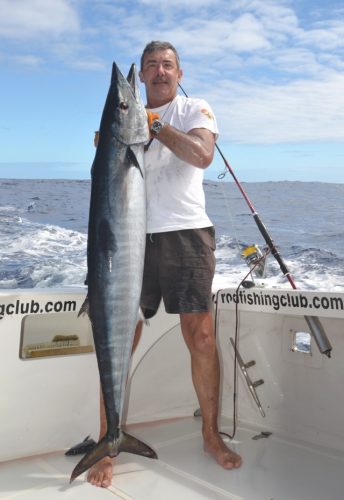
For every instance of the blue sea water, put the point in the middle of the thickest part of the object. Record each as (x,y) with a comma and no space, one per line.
(43,226)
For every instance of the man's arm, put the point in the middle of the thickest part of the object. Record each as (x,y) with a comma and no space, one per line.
(196,147)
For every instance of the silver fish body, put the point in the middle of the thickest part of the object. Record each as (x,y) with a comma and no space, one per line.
(115,254)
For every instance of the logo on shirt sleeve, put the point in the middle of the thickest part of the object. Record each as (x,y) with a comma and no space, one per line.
(207,113)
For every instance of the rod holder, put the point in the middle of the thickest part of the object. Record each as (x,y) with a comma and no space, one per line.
(257,383)
(251,385)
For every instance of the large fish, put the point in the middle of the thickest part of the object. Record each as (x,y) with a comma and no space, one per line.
(115,254)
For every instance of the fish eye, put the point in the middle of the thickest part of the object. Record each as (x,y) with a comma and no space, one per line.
(124,106)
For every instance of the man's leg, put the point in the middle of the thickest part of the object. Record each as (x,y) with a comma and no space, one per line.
(198,332)
(100,474)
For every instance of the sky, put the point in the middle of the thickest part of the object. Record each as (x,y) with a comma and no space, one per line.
(272,71)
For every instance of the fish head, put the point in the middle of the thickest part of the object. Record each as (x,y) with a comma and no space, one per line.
(125,109)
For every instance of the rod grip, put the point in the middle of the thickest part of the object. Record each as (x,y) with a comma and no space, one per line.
(319,335)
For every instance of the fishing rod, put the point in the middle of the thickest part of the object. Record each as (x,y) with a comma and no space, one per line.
(313,322)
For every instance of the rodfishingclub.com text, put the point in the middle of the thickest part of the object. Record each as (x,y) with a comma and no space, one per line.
(280,301)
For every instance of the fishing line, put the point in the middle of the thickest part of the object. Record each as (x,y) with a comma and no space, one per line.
(313,322)
(230,215)
(236,343)
(255,214)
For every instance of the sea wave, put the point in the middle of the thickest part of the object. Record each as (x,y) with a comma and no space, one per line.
(44,232)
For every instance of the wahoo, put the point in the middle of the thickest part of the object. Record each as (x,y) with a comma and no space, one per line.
(115,255)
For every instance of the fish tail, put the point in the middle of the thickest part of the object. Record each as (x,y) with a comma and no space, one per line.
(84,309)
(107,447)
(131,444)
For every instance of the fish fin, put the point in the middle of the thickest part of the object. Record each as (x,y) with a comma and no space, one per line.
(131,78)
(131,444)
(84,309)
(134,82)
(81,448)
(107,447)
(141,317)
(133,160)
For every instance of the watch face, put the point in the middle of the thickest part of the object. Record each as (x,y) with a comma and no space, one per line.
(156,126)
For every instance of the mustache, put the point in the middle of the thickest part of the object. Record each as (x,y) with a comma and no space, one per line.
(159,80)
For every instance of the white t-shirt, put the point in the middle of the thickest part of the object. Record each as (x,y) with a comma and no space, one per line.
(175,196)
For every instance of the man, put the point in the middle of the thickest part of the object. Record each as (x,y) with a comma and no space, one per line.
(179,262)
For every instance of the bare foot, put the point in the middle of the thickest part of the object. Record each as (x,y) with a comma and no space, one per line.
(223,455)
(100,474)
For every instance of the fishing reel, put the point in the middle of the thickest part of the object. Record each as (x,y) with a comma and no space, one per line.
(255,259)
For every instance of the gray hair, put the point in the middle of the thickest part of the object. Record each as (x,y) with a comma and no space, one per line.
(157,45)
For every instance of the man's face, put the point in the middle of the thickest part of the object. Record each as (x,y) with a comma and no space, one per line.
(160,74)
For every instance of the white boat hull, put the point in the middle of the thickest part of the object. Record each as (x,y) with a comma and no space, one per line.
(49,401)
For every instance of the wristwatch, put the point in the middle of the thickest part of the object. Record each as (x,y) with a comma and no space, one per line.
(156,126)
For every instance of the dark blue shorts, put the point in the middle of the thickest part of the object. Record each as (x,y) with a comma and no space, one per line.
(179,268)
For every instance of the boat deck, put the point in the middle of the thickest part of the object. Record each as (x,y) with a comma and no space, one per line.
(273,469)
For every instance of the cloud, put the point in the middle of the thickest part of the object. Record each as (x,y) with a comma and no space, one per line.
(32,19)
(218,36)
(325,35)
(40,32)
(272,72)
(269,76)
(300,111)
(89,64)
(29,60)
(191,4)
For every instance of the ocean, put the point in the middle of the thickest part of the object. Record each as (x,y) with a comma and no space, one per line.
(43,226)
